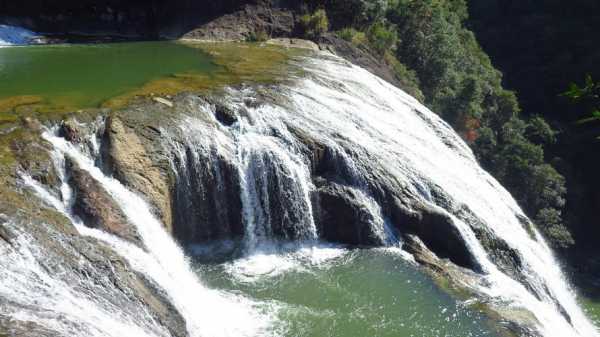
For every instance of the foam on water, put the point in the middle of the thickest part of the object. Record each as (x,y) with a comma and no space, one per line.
(269,261)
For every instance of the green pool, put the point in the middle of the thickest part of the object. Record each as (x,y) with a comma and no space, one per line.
(592,309)
(87,75)
(332,292)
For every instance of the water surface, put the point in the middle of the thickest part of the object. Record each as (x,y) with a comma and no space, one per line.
(329,292)
(86,75)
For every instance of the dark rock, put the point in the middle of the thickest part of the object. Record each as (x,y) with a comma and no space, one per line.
(224,114)
(314,150)
(245,23)
(206,201)
(343,219)
(436,229)
(96,207)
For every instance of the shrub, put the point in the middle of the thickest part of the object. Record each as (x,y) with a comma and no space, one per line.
(382,38)
(407,78)
(549,222)
(314,25)
(540,131)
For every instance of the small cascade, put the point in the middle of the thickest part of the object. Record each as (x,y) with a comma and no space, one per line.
(205,311)
(62,303)
(273,185)
(275,192)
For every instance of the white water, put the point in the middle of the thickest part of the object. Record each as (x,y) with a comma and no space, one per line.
(206,312)
(73,308)
(414,144)
(11,35)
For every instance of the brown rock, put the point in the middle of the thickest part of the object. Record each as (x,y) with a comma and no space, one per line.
(131,165)
(97,209)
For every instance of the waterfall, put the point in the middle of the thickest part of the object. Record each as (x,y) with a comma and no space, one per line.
(373,129)
(259,175)
(10,35)
(205,311)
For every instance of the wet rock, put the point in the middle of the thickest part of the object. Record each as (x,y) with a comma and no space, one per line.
(9,326)
(463,283)
(71,131)
(294,43)
(130,163)
(207,204)
(343,219)
(436,229)
(224,114)
(163,101)
(314,150)
(84,266)
(97,208)
(32,154)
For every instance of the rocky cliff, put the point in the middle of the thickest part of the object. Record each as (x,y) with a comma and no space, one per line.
(132,19)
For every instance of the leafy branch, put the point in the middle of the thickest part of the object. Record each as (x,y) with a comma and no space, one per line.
(588,95)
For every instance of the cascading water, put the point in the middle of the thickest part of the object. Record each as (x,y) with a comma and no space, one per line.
(205,311)
(371,138)
(375,127)
(10,35)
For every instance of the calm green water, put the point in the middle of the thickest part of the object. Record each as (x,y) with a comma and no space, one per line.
(592,309)
(87,75)
(328,292)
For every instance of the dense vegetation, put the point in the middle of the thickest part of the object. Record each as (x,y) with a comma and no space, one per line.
(429,46)
(543,46)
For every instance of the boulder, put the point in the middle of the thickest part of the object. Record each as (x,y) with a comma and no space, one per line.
(342,218)
(97,208)
(245,23)
(436,229)
(314,150)
(126,156)
(71,131)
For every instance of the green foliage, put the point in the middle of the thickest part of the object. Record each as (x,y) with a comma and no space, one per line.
(407,77)
(314,25)
(357,38)
(541,45)
(550,223)
(352,13)
(588,96)
(459,82)
(382,38)
(540,131)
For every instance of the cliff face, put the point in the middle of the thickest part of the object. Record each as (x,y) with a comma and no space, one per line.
(135,18)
